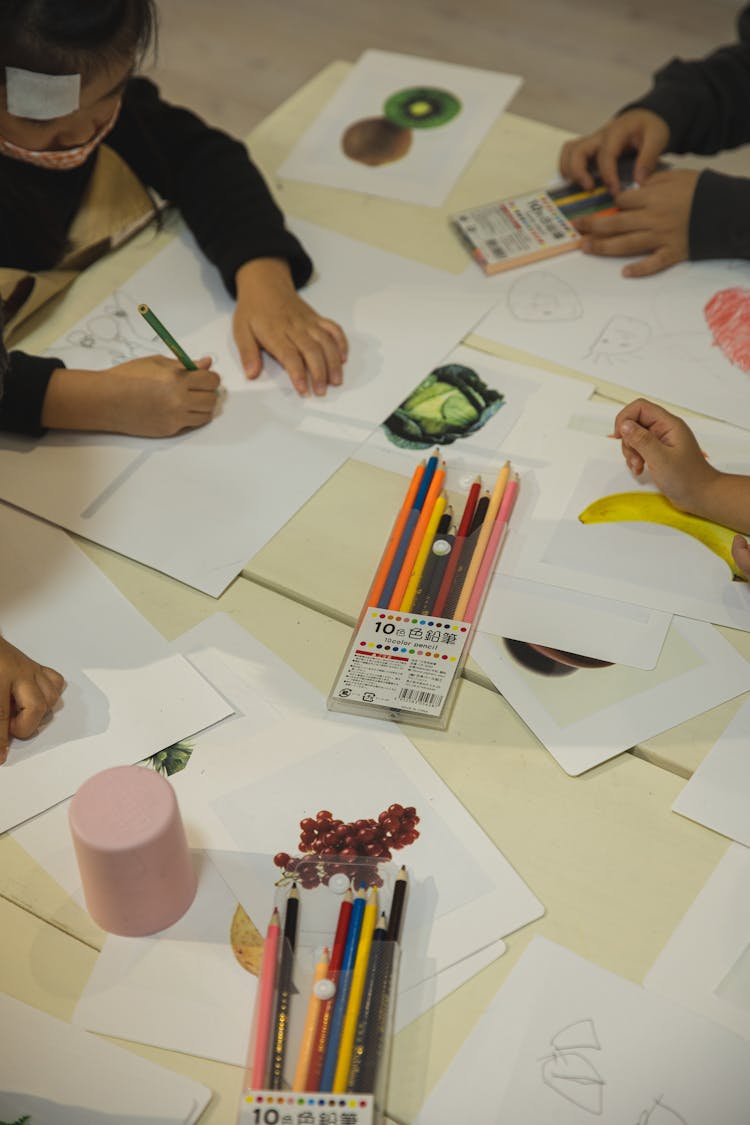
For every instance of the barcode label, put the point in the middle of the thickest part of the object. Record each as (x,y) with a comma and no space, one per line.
(426,698)
(497,250)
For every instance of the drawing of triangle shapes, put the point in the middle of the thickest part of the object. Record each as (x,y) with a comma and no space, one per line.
(579,1034)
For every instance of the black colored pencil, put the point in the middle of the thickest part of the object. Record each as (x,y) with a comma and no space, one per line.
(283,1000)
(436,560)
(371,999)
(366,1078)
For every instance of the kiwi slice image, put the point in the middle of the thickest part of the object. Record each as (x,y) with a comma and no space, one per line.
(375,140)
(421,107)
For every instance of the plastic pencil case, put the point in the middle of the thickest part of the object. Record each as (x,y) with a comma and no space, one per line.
(362,1102)
(402,666)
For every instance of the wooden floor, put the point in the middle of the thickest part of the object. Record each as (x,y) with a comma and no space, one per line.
(236,60)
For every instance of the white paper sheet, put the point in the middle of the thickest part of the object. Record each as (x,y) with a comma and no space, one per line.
(651,334)
(260,685)
(565,1041)
(126,695)
(718,793)
(586,715)
(59,1075)
(198,506)
(706,962)
(435,156)
(472,895)
(184,990)
(631,560)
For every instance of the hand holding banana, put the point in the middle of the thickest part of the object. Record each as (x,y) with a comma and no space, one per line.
(697,499)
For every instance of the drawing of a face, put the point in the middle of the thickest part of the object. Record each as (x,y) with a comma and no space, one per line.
(542,296)
(621,335)
(548,661)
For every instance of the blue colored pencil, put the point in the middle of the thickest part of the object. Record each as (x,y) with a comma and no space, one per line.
(342,993)
(406,535)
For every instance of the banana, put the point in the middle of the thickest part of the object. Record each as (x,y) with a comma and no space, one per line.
(652,507)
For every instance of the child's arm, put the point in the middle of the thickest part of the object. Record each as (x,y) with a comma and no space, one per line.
(28,692)
(656,440)
(698,107)
(270,314)
(149,397)
(227,205)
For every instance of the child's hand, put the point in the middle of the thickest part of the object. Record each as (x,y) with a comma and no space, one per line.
(741,554)
(271,315)
(636,130)
(653,438)
(150,397)
(652,220)
(28,692)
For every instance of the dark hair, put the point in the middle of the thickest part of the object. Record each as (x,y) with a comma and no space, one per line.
(4,360)
(74,36)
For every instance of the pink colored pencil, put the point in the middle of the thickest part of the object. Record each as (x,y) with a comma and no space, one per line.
(489,560)
(265,1005)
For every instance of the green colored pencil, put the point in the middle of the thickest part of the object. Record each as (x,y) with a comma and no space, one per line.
(167,337)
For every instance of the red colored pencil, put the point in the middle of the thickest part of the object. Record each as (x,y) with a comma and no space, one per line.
(326,1008)
(463,530)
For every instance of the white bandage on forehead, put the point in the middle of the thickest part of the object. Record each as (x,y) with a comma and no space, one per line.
(41,97)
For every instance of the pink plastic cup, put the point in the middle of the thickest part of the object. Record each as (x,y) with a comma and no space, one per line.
(136,869)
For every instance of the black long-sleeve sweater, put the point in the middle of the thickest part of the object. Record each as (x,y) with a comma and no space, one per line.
(706,104)
(202,171)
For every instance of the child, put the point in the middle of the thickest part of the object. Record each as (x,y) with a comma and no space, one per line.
(28,691)
(699,107)
(656,440)
(83,145)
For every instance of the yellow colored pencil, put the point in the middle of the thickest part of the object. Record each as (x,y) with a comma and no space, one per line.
(311,1024)
(482,540)
(422,553)
(591,193)
(349,1030)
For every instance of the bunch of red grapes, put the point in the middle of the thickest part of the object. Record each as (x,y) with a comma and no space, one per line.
(354,849)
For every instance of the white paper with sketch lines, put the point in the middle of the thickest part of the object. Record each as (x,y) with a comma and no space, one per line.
(705,965)
(622,553)
(596,1047)
(199,505)
(679,336)
(55,1074)
(126,696)
(586,715)
(718,793)
(419,165)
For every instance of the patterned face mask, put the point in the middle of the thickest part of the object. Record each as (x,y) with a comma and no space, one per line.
(59,160)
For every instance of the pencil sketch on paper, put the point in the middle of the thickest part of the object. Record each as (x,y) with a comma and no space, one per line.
(661,1114)
(543,297)
(727,315)
(571,1074)
(621,336)
(117,333)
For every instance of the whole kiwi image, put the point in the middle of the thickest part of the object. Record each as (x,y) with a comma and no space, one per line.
(375,140)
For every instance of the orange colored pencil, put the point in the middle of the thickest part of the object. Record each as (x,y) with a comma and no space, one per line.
(416,539)
(482,540)
(385,563)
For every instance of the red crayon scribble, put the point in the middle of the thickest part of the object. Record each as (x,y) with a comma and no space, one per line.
(728,316)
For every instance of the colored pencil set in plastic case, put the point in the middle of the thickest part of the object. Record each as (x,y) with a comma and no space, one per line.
(322,1026)
(413,634)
